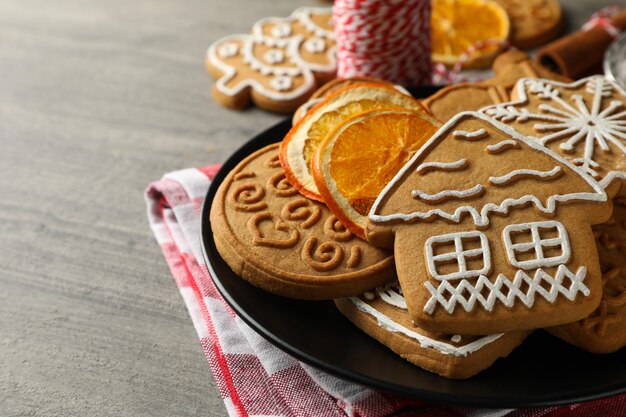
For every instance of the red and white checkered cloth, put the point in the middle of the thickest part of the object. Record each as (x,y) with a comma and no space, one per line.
(253,377)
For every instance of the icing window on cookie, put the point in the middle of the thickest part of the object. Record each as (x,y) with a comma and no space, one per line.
(228,50)
(458,255)
(274,56)
(281,83)
(281,30)
(535,245)
(315,45)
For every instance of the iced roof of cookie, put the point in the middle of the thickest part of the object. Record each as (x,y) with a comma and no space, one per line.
(475,166)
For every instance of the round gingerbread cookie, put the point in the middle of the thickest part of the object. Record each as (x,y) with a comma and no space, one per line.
(285,243)
(508,68)
(534,22)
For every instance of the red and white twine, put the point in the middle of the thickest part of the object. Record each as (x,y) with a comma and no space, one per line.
(387,39)
(602,19)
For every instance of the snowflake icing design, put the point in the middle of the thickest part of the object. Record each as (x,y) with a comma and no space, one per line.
(576,122)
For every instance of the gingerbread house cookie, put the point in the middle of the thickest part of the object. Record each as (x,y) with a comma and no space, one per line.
(279,65)
(584,121)
(383,315)
(491,231)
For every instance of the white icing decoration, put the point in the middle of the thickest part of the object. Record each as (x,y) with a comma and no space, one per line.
(330,55)
(314,45)
(502,146)
(537,244)
(481,216)
(459,255)
(229,72)
(425,342)
(470,193)
(606,89)
(228,50)
(257,65)
(392,295)
(525,173)
(281,30)
(456,338)
(303,17)
(592,123)
(281,83)
(512,290)
(291,45)
(369,296)
(274,56)
(591,166)
(441,166)
(478,134)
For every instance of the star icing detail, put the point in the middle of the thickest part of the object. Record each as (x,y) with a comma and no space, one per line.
(595,122)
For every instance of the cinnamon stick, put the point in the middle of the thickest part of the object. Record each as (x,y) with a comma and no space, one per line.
(580,53)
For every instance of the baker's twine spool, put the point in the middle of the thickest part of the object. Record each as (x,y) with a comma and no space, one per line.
(387,39)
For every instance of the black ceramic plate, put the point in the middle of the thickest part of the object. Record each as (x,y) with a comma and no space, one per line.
(543,371)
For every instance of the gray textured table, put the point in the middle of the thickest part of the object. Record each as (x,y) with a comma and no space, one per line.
(97,99)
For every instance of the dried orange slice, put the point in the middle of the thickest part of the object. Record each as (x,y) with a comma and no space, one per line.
(336,85)
(361,155)
(459,24)
(297,148)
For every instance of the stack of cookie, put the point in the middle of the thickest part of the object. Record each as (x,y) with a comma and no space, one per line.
(447,243)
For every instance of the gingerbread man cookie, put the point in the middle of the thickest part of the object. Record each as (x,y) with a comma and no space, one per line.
(279,65)
(491,231)
(584,121)
(285,243)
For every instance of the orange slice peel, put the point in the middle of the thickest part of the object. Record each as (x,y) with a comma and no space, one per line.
(361,156)
(459,25)
(301,142)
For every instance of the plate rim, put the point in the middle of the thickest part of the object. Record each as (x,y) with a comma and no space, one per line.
(396,389)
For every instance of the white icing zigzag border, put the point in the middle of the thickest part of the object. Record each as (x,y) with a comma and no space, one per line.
(456,293)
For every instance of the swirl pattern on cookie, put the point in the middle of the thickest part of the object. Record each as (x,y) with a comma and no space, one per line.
(285,243)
